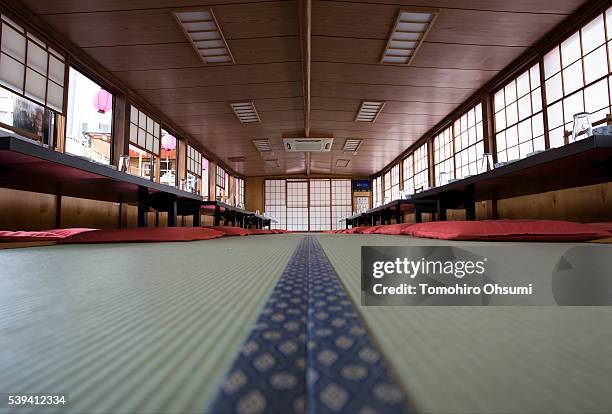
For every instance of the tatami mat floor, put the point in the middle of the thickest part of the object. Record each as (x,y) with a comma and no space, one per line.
(488,359)
(132,327)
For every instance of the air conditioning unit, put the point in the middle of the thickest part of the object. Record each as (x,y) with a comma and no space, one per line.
(308,144)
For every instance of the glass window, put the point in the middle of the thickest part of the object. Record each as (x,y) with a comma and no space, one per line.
(145,132)
(416,170)
(205,178)
(142,162)
(444,164)
(26,118)
(468,134)
(40,76)
(220,184)
(342,201)
(194,169)
(308,205)
(387,187)
(239,192)
(408,165)
(168,159)
(576,73)
(421,168)
(519,127)
(395,182)
(145,137)
(89,120)
(275,202)
(297,205)
(320,205)
(377,191)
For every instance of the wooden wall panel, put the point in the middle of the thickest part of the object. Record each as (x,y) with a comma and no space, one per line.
(23,210)
(586,204)
(77,212)
(254,193)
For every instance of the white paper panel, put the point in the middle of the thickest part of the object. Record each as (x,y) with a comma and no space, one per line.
(13,43)
(55,96)
(56,70)
(37,58)
(11,73)
(36,86)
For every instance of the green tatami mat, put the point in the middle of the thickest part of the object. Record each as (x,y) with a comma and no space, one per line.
(488,359)
(132,328)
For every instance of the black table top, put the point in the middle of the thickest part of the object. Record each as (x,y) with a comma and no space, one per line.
(585,162)
(580,163)
(26,165)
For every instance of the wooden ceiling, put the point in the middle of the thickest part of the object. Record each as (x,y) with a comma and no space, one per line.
(141,43)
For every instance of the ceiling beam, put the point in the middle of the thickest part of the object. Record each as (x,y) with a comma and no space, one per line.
(306,31)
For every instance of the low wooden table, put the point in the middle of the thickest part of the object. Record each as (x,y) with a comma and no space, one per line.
(585,162)
(28,166)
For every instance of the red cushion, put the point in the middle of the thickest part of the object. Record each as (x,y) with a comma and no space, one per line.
(370,229)
(392,229)
(260,231)
(607,226)
(229,230)
(357,230)
(146,234)
(43,235)
(509,230)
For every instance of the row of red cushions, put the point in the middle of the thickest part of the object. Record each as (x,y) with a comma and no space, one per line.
(494,230)
(148,234)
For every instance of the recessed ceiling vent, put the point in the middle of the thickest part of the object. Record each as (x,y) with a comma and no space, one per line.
(237,159)
(351,145)
(369,111)
(245,112)
(262,145)
(308,144)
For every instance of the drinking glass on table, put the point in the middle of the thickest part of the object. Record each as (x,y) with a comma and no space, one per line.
(486,163)
(582,127)
(124,163)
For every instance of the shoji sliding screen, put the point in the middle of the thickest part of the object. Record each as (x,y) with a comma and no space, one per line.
(342,202)
(576,74)
(308,205)
(320,205)
(468,140)
(297,205)
(275,202)
(519,123)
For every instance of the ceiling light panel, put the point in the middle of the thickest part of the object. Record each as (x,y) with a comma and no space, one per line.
(204,33)
(407,35)
(246,112)
(369,111)
(351,145)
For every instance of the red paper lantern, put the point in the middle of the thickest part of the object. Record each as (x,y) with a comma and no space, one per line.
(103,101)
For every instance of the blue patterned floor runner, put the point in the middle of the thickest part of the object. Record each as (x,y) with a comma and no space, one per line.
(338,369)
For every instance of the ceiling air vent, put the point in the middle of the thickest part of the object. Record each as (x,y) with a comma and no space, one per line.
(237,159)
(342,163)
(369,111)
(272,163)
(351,145)
(262,145)
(308,144)
(246,112)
